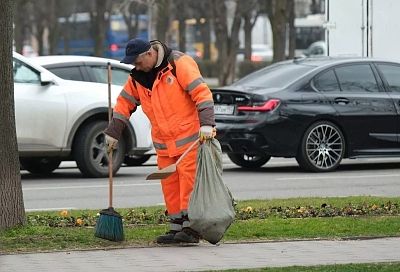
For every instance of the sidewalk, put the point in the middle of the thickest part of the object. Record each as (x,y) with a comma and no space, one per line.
(208,257)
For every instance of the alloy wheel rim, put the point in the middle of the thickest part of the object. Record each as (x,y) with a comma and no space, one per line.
(324,146)
(98,151)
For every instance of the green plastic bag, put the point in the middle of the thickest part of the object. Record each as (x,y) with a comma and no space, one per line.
(211,206)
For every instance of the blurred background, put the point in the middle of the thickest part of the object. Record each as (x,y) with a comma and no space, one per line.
(227,38)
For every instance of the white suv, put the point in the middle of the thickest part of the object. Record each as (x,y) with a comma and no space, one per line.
(93,69)
(59,120)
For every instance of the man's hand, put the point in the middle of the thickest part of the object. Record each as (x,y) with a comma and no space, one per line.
(111,143)
(207,132)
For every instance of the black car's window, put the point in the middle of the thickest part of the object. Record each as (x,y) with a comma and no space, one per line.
(275,76)
(357,78)
(392,76)
(118,76)
(69,73)
(24,73)
(327,82)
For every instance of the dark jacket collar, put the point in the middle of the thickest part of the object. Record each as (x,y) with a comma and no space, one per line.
(146,79)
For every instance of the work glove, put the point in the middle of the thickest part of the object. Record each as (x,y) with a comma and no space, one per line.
(207,133)
(111,143)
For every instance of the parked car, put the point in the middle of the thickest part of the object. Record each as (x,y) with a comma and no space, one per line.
(259,52)
(316,49)
(59,120)
(318,110)
(94,69)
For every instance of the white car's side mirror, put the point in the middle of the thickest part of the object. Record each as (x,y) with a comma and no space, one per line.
(46,78)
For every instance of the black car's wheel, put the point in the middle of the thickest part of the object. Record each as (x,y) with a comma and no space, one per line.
(90,152)
(249,161)
(136,160)
(41,166)
(322,147)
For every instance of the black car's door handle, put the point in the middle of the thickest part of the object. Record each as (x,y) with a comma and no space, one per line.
(341,101)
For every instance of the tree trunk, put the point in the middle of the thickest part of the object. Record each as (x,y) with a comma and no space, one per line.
(66,36)
(250,11)
(181,6)
(234,44)
(163,19)
(182,35)
(227,45)
(221,35)
(12,212)
(100,28)
(20,23)
(201,12)
(292,29)
(53,27)
(205,29)
(277,15)
(39,36)
(247,36)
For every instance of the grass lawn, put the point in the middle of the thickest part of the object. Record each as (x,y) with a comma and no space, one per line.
(373,267)
(279,219)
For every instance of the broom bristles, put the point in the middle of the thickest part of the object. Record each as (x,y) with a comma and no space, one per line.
(109,225)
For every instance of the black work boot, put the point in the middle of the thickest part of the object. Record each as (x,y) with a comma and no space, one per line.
(187,235)
(167,238)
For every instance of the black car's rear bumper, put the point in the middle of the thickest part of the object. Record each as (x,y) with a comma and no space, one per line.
(278,139)
(242,142)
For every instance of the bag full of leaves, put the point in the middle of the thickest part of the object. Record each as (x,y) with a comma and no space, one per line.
(211,206)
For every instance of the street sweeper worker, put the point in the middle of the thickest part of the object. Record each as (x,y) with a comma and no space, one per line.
(169,87)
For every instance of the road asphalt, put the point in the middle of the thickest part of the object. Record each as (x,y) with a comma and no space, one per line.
(206,257)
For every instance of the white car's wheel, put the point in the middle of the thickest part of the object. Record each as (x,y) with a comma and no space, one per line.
(90,152)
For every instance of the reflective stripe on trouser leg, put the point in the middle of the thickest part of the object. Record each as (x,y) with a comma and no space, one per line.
(185,219)
(175,222)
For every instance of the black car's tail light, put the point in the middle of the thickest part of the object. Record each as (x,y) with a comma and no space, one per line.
(266,106)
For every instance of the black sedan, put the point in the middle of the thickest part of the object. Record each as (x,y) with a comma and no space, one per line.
(318,110)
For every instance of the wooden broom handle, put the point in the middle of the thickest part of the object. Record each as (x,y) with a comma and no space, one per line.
(110,179)
(187,151)
(110,155)
(109,91)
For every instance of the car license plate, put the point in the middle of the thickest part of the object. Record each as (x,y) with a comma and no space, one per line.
(224,109)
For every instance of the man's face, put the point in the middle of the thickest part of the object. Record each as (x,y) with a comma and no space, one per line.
(144,62)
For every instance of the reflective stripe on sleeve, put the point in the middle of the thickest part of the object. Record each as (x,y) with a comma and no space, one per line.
(194,84)
(120,117)
(129,97)
(205,104)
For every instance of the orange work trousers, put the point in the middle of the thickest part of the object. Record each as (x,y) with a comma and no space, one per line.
(178,187)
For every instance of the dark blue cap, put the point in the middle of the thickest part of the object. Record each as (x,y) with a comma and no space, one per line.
(134,48)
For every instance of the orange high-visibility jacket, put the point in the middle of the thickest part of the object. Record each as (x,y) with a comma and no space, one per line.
(174,105)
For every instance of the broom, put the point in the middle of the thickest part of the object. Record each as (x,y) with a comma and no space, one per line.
(109,224)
